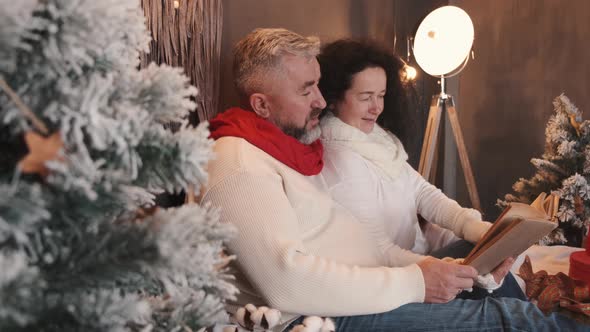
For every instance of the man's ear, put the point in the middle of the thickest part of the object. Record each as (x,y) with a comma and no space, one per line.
(260,105)
(332,108)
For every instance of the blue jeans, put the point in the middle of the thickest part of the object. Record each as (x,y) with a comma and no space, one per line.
(504,310)
(461,249)
(488,314)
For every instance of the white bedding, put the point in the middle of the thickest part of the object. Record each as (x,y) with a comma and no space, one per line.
(552,259)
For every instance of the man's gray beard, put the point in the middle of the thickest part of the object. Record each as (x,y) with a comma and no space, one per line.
(311,135)
(304,136)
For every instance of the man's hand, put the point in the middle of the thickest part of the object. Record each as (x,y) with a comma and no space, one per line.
(502,270)
(443,280)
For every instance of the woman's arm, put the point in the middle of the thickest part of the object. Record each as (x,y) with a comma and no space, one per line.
(436,207)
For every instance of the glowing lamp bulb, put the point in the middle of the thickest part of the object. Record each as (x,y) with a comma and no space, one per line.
(176,4)
(443,40)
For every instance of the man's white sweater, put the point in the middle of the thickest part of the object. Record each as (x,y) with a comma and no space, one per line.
(297,250)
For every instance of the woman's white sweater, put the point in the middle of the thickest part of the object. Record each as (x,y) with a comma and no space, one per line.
(369,175)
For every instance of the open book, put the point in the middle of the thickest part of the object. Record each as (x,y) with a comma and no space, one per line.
(516,229)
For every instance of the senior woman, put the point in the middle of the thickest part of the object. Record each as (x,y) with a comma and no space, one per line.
(366,170)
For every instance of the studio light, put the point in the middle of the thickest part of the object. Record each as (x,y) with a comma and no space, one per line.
(442,46)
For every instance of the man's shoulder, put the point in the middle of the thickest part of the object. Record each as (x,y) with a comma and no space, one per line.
(234,155)
(229,148)
(239,149)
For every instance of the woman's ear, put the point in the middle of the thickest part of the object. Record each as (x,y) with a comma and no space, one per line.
(260,105)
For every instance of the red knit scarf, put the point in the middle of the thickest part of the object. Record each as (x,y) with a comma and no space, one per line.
(236,122)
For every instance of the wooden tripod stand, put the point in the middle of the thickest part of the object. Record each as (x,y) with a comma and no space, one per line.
(429,155)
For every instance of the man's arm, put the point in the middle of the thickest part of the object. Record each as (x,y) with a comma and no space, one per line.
(271,254)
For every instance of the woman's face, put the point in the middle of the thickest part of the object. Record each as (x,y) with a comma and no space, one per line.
(363,102)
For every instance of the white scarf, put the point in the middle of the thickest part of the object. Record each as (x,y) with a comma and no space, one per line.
(380,147)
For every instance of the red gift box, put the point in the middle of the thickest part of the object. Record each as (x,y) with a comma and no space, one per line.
(580,263)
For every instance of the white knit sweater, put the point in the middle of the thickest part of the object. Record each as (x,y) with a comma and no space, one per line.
(297,250)
(369,175)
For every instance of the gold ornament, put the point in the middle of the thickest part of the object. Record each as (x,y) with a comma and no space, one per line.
(41,150)
(575,124)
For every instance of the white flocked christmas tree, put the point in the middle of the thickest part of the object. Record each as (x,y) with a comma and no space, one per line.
(82,152)
(564,170)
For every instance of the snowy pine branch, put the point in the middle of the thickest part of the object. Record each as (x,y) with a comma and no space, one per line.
(20,289)
(76,251)
(182,156)
(563,170)
(22,208)
(16,25)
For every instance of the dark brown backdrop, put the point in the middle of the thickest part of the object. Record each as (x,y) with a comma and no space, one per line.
(527,53)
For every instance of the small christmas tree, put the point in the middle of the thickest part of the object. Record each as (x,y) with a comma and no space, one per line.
(563,170)
(83,149)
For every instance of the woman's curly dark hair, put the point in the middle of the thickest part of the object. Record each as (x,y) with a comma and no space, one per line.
(342,59)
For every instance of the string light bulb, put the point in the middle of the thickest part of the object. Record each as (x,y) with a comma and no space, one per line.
(176,4)
(409,73)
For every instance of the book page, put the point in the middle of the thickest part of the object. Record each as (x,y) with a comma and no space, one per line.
(539,201)
(526,211)
(517,228)
(513,241)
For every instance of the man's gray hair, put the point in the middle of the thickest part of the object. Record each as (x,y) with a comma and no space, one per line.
(262,50)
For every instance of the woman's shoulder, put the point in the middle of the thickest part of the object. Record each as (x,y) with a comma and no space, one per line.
(342,162)
(341,154)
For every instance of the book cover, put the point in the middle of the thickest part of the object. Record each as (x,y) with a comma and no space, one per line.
(516,229)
